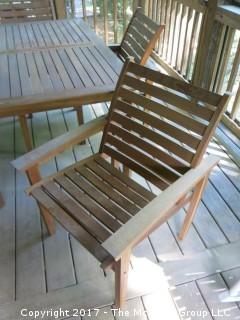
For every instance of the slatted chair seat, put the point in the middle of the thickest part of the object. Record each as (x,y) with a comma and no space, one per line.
(158,127)
(97,200)
(12,11)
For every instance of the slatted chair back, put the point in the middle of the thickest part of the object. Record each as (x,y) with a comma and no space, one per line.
(12,11)
(159,126)
(140,38)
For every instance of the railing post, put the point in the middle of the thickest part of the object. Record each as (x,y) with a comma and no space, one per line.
(60,7)
(144,5)
(236,104)
(209,34)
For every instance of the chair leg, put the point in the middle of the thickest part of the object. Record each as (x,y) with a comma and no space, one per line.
(196,197)
(34,177)
(25,131)
(115,163)
(1,201)
(121,268)
(127,171)
(79,111)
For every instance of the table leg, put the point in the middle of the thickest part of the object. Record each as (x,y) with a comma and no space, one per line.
(25,131)
(80,118)
(1,201)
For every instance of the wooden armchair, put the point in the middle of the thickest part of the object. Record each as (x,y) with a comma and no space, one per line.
(12,11)
(139,39)
(158,129)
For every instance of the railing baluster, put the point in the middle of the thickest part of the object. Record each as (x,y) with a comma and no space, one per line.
(236,105)
(105,12)
(170,14)
(73,8)
(181,37)
(224,60)
(235,67)
(162,20)
(115,22)
(150,8)
(177,35)
(217,58)
(84,10)
(171,32)
(94,3)
(193,45)
(167,27)
(124,15)
(188,33)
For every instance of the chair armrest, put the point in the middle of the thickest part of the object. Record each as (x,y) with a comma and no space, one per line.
(157,211)
(55,146)
(115,47)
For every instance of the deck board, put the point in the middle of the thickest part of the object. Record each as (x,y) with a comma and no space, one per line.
(190,302)
(7,213)
(29,246)
(58,256)
(49,264)
(211,288)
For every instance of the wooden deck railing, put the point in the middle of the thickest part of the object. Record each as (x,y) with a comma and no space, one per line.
(178,44)
(108,18)
(200,43)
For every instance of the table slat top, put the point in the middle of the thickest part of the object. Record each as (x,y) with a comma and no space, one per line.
(53,57)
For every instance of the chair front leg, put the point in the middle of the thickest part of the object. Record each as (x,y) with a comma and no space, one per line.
(34,176)
(121,269)
(194,202)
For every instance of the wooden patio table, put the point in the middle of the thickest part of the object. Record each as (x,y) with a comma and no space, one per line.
(53,64)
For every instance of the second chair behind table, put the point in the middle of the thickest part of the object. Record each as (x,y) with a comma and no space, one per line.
(138,42)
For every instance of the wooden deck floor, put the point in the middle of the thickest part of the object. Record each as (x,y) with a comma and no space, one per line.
(34,267)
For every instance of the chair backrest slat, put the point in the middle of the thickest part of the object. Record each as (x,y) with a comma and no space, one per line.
(159,126)
(140,38)
(12,11)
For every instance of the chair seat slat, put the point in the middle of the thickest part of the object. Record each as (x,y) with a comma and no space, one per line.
(115,196)
(133,165)
(126,180)
(76,230)
(116,184)
(77,212)
(97,196)
(101,214)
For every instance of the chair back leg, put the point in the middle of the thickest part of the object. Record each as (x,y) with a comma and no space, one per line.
(121,269)
(196,197)
(80,118)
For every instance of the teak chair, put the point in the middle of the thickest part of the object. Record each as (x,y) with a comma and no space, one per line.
(159,130)
(139,39)
(12,11)
(138,42)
